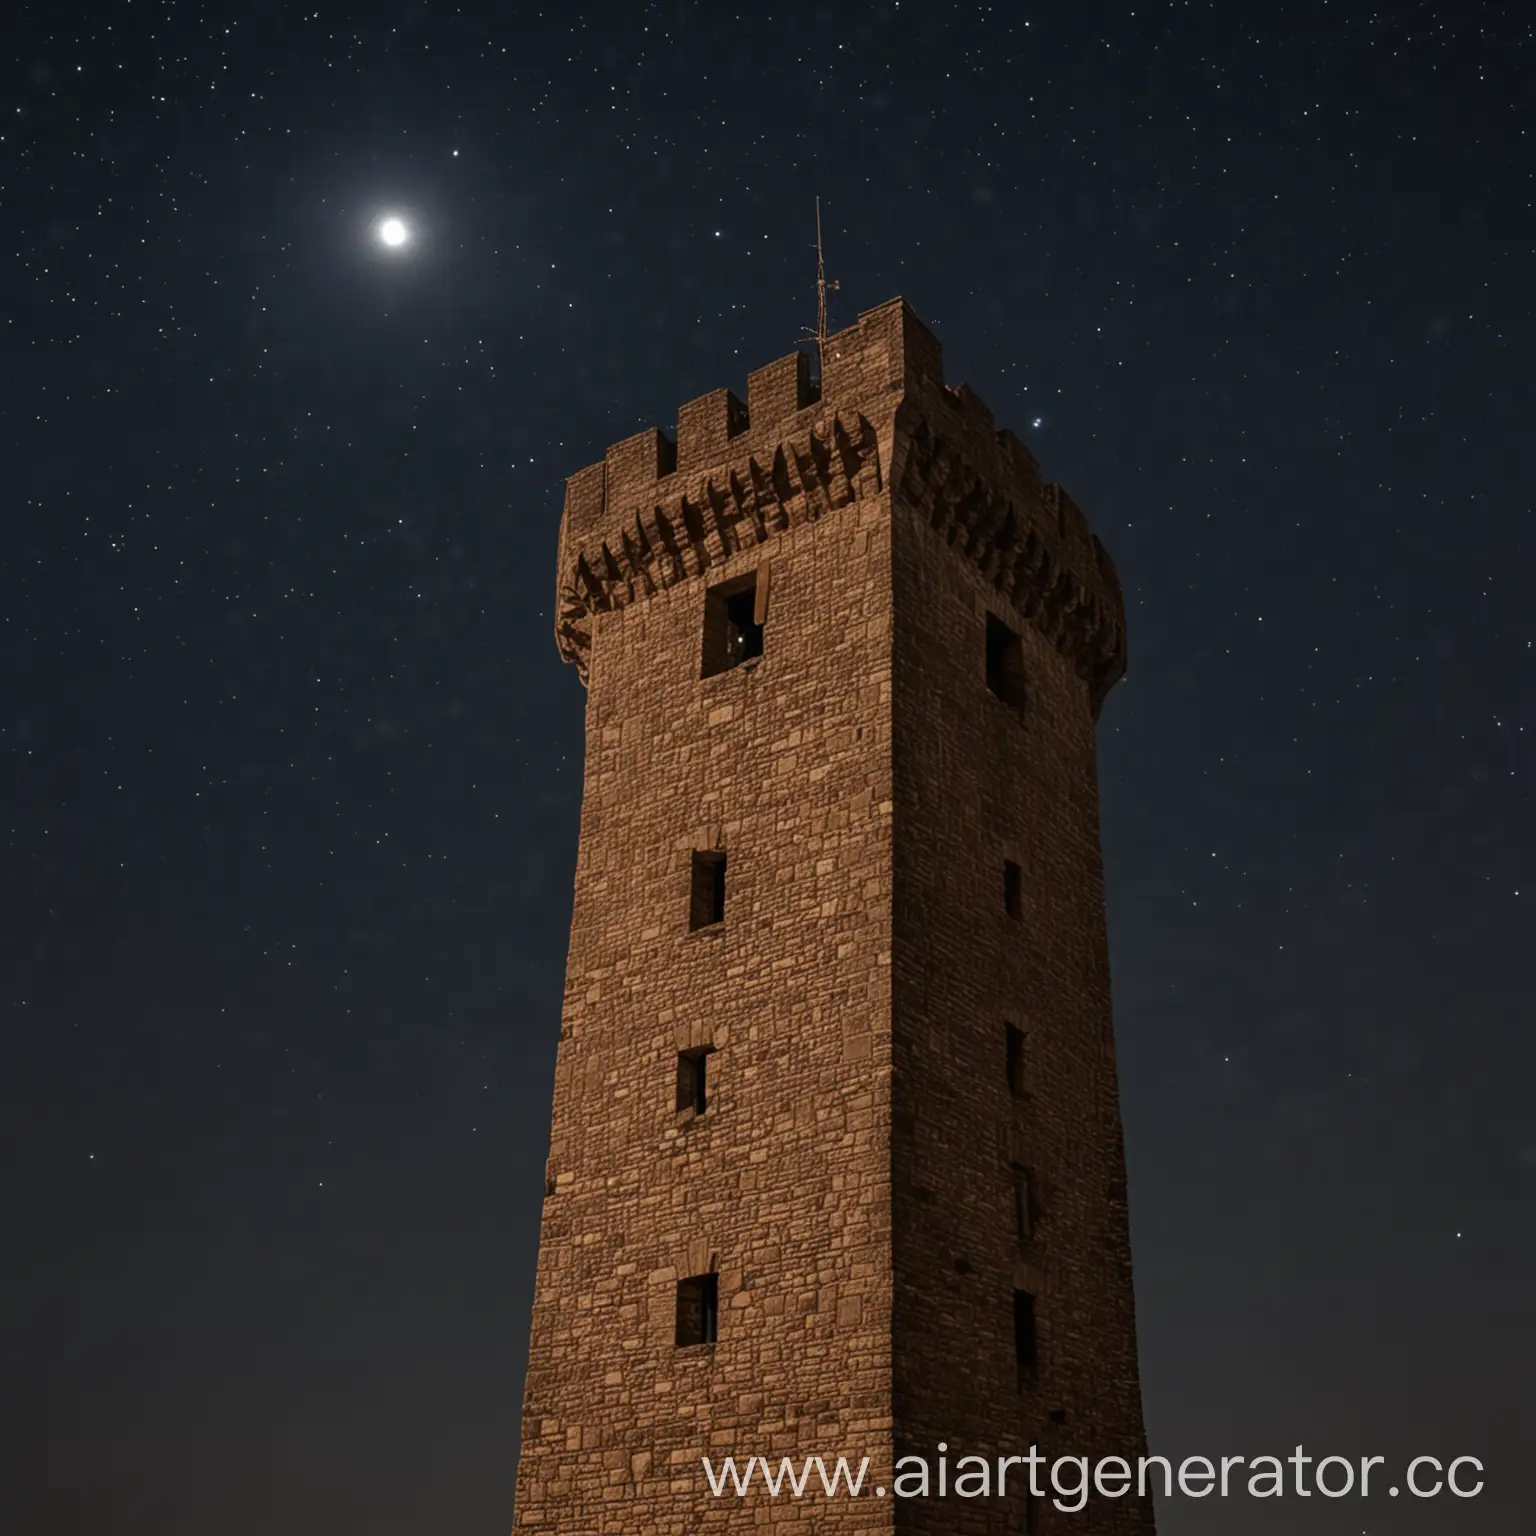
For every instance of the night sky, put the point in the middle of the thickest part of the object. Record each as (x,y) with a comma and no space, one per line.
(292,770)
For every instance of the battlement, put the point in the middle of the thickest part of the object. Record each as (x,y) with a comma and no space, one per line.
(659,509)
(885,350)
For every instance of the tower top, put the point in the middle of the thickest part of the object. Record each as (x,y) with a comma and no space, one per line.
(657,510)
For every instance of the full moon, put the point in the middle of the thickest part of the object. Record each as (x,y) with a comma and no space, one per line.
(393,231)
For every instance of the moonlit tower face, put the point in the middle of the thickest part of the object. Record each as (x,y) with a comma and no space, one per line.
(394,232)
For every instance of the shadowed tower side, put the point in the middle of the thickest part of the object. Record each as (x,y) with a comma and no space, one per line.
(835,1163)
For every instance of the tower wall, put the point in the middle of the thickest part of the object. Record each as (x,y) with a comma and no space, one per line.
(848,1184)
(782,1187)
(978,783)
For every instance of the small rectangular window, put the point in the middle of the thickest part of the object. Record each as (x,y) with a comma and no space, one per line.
(733,625)
(1015,1059)
(1023,1204)
(698,1310)
(692,1083)
(1005,663)
(706,905)
(1024,1346)
(1013,889)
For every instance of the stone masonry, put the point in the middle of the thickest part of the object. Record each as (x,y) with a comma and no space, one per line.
(836,1160)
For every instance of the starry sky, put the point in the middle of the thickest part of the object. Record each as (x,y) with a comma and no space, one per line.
(291,770)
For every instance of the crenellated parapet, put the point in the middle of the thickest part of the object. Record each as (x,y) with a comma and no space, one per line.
(981,492)
(659,510)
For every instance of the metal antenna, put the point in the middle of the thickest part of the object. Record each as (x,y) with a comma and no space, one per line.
(822,285)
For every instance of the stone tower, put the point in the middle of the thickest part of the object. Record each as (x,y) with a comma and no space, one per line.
(836,1162)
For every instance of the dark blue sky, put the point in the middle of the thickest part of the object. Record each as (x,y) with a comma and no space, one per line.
(291,769)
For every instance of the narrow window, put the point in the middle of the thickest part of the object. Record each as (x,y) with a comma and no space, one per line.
(1005,663)
(692,1088)
(1031,1513)
(706,905)
(1013,889)
(698,1310)
(1015,1059)
(1024,1335)
(733,625)
(1023,1204)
